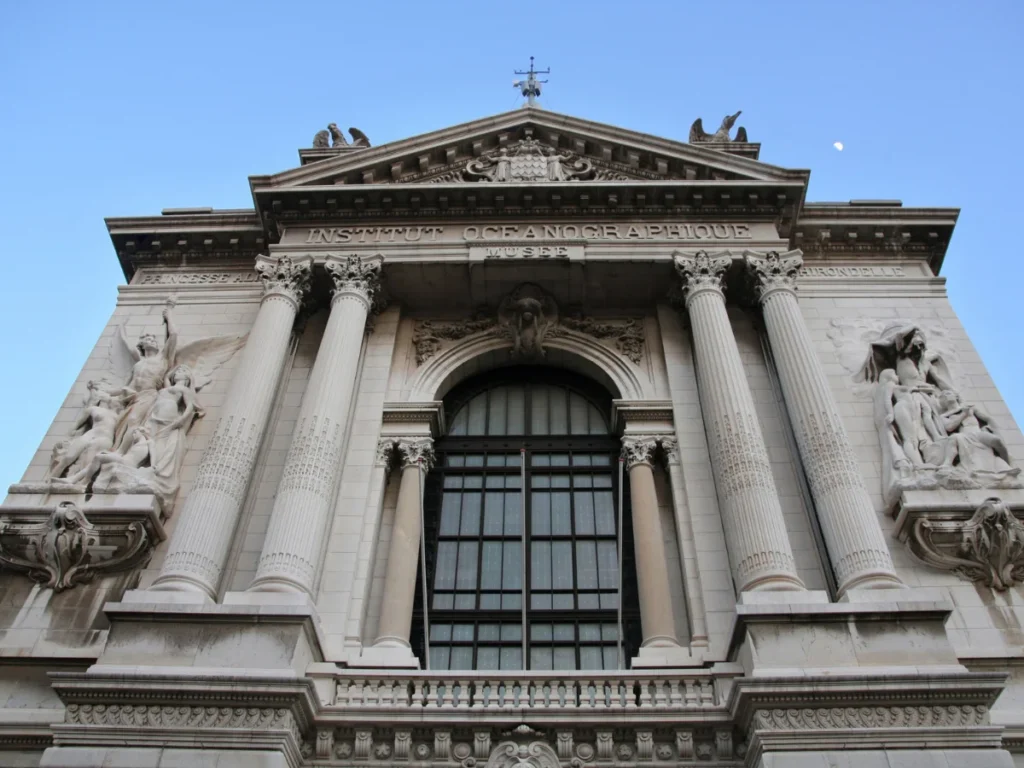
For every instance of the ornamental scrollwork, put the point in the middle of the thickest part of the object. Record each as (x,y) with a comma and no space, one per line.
(62,548)
(773,271)
(166,716)
(287,276)
(988,548)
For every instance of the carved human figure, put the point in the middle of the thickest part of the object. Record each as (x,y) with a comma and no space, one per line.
(554,166)
(106,462)
(921,437)
(167,425)
(979,447)
(93,432)
(151,362)
(502,166)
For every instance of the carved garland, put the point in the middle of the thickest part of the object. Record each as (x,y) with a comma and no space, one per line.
(951,716)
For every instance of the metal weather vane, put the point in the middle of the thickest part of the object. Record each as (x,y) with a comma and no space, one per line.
(530,87)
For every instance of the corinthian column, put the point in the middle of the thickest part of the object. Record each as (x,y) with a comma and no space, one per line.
(852,534)
(417,456)
(657,622)
(199,547)
(300,517)
(755,531)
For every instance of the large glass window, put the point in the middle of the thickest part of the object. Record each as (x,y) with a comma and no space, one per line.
(509,575)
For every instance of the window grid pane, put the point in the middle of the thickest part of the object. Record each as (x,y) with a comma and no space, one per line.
(474,533)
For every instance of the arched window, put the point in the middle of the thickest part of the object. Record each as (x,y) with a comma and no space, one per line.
(550,431)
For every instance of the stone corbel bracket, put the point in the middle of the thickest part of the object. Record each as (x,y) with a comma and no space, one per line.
(976,534)
(68,541)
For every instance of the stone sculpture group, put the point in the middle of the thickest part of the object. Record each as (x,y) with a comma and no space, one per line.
(131,437)
(929,438)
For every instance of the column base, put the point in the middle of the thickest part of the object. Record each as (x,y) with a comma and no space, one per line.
(269,636)
(667,657)
(387,653)
(866,634)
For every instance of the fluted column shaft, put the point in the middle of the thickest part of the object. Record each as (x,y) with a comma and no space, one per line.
(849,524)
(657,622)
(404,553)
(202,538)
(299,520)
(755,530)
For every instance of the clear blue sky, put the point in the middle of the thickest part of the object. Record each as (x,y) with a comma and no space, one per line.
(126,108)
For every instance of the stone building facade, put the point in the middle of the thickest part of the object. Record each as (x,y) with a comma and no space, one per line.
(282,517)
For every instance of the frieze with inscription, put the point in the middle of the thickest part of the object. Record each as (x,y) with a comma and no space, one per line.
(197,278)
(499,232)
(878,271)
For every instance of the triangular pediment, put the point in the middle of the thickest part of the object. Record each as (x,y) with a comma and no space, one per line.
(527,146)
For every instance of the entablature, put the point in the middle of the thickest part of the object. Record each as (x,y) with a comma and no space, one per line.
(874,228)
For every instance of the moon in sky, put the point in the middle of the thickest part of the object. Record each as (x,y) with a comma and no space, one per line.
(838,145)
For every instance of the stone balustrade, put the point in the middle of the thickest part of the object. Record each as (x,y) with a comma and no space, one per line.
(448,694)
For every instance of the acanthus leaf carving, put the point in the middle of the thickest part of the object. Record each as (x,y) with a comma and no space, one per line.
(774,271)
(628,335)
(286,276)
(430,335)
(702,271)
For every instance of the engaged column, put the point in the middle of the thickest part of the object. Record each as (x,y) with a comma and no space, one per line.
(199,547)
(850,526)
(755,530)
(300,518)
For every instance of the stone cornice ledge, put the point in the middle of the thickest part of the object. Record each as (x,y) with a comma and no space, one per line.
(896,711)
(646,415)
(428,412)
(135,708)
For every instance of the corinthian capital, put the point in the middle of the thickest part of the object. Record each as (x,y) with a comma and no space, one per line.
(639,450)
(286,276)
(355,275)
(774,271)
(701,272)
(416,450)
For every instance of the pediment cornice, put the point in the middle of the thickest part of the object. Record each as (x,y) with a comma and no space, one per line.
(614,153)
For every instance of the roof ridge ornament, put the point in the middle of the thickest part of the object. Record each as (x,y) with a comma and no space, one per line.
(699,136)
(530,87)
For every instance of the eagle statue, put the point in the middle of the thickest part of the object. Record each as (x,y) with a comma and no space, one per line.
(334,138)
(698,135)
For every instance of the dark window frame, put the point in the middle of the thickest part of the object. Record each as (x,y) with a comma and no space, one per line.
(604,444)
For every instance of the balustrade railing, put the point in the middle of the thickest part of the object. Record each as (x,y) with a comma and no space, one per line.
(547,692)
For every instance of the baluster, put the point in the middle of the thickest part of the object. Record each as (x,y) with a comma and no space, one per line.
(675,697)
(448,698)
(707,694)
(356,693)
(430,688)
(493,694)
(417,693)
(463,700)
(691,693)
(341,691)
(661,694)
(645,694)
